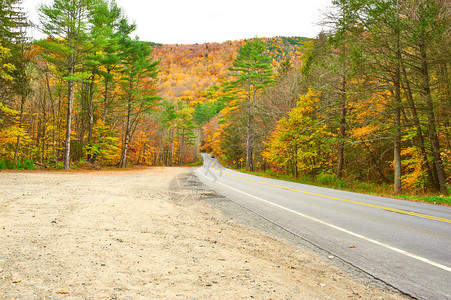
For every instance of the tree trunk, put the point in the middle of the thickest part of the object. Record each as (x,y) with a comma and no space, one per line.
(44,129)
(431,119)
(398,133)
(70,103)
(250,132)
(420,137)
(172,147)
(182,142)
(446,90)
(22,104)
(90,115)
(123,162)
(106,100)
(397,105)
(342,129)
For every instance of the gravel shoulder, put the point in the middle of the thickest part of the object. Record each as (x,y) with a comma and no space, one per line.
(151,233)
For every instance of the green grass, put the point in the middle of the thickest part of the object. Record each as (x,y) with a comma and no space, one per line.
(435,199)
(195,164)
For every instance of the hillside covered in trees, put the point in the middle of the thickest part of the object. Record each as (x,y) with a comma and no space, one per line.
(368,101)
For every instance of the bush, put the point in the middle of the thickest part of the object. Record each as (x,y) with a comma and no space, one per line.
(326,179)
(27,164)
(330,179)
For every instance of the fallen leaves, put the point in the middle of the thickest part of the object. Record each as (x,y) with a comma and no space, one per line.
(62,292)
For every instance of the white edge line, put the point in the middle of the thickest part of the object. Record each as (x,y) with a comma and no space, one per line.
(420,258)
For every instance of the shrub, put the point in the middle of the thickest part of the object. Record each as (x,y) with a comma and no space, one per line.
(28,164)
(326,179)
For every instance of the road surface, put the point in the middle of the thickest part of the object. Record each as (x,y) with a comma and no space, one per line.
(402,243)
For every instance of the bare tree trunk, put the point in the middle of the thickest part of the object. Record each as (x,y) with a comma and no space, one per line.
(250,132)
(446,90)
(22,104)
(182,142)
(90,115)
(172,148)
(420,136)
(106,100)
(342,129)
(70,103)
(44,128)
(431,120)
(397,105)
(123,162)
(398,133)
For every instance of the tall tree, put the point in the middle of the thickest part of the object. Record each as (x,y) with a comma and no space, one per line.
(253,72)
(103,57)
(13,26)
(139,73)
(427,30)
(383,28)
(68,23)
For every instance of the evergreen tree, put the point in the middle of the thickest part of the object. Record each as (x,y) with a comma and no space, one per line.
(68,24)
(253,72)
(139,73)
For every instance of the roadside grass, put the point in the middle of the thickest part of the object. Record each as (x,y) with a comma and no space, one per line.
(195,164)
(331,181)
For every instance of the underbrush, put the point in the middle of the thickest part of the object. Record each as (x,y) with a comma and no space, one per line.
(26,164)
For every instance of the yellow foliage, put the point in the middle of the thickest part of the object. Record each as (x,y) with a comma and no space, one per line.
(301,139)
(414,172)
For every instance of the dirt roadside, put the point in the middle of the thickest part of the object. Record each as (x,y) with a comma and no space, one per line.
(142,234)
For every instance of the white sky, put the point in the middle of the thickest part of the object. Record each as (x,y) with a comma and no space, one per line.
(202,21)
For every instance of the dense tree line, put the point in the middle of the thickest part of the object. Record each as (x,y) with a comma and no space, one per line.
(367,100)
(80,93)
(371,101)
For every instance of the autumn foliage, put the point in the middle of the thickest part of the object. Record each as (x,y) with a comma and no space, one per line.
(367,102)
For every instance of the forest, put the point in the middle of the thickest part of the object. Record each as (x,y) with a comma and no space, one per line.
(368,100)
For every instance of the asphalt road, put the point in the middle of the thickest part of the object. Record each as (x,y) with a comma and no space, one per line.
(402,243)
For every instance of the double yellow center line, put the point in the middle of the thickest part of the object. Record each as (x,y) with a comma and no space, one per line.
(395,210)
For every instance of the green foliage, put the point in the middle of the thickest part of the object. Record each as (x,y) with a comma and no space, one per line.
(197,163)
(139,72)
(435,199)
(252,68)
(26,164)
(326,178)
(253,72)
(203,112)
(167,113)
(283,47)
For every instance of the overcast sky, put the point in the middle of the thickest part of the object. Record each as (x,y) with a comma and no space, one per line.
(202,21)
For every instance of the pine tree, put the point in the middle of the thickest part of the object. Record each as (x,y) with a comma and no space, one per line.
(139,73)
(68,23)
(253,72)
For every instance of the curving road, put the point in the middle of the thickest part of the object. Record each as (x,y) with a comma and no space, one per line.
(403,243)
